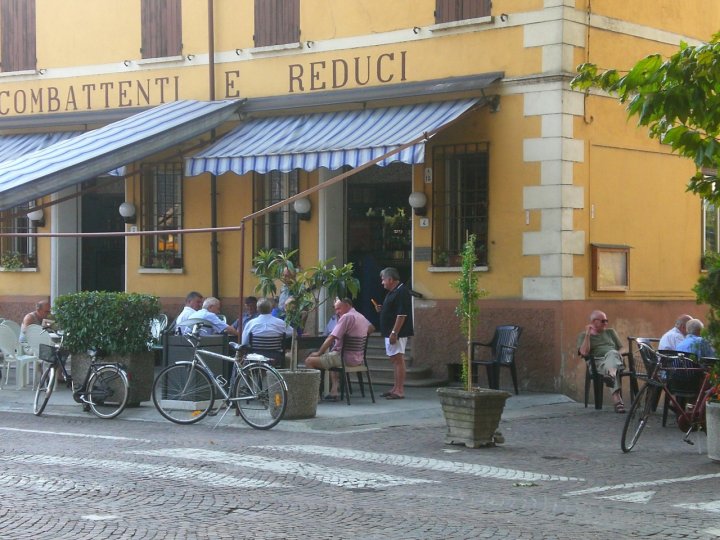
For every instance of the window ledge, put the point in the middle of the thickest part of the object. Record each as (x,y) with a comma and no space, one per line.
(3,269)
(160,60)
(21,73)
(160,271)
(447,269)
(275,48)
(452,25)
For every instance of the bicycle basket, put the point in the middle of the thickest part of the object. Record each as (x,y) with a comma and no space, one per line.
(46,353)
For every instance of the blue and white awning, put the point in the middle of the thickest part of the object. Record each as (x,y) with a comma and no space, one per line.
(331,140)
(15,146)
(96,152)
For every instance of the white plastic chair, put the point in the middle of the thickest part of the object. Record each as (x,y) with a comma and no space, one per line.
(34,336)
(12,352)
(15,327)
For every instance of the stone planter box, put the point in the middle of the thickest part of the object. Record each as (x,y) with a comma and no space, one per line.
(140,368)
(303,391)
(472,417)
(712,419)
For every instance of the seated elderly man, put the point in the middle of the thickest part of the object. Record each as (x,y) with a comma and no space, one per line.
(602,343)
(264,324)
(694,342)
(349,323)
(208,315)
(670,339)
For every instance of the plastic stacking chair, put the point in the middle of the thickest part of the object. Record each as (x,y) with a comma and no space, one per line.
(502,354)
(272,347)
(34,336)
(12,353)
(354,344)
(15,327)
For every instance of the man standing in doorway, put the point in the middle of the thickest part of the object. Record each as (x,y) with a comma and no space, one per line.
(396,325)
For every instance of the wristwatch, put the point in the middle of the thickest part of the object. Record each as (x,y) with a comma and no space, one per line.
(393,332)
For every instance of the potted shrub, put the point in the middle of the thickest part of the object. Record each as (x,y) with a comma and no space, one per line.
(472,414)
(117,323)
(707,291)
(308,289)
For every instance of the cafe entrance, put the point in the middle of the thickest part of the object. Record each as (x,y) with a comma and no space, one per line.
(379,221)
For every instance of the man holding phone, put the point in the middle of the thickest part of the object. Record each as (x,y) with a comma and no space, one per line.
(396,326)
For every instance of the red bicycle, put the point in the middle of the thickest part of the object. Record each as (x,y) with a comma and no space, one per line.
(663,371)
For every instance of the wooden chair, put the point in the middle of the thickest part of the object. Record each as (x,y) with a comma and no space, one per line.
(354,344)
(272,347)
(502,354)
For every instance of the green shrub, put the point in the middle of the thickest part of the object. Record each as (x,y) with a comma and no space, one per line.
(117,323)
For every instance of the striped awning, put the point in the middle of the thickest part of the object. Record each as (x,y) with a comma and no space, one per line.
(96,152)
(331,140)
(15,146)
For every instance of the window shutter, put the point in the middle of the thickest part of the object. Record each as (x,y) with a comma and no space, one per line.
(457,10)
(276,22)
(17,18)
(161,22)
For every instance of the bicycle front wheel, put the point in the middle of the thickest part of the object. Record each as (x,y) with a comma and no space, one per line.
(261,396)
(183,393)
(44,390)
(107,391)
(638,417)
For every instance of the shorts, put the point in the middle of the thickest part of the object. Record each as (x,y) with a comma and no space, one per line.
(391,349)
(329,360)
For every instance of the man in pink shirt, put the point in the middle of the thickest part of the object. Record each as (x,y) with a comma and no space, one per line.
(350,323)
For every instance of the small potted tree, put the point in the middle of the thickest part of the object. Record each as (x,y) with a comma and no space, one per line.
(707,291)
(308,290)
(117,323)
(472,414)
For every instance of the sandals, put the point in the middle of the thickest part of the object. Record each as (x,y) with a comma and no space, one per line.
(394,396)
(331,398)
(620,407)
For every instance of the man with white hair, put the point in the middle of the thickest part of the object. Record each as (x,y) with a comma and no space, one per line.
(208,315)
(694,342)
(672,338)
(603,344)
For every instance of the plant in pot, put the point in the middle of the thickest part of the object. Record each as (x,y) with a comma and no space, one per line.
(472,414)
(307,290)
(117,323)
(707,291)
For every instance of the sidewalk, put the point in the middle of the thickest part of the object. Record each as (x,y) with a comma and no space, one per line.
(420,406)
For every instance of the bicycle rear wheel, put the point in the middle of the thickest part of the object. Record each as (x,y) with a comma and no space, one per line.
(638,417)
(261,396)
(44,390)
(183,393)
(107,391)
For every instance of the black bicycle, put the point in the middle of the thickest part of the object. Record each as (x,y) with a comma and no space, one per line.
(104,391)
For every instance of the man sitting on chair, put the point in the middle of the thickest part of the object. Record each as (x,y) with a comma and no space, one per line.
(349,323)
(602,343)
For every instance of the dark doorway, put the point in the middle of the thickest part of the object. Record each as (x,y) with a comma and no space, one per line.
(103,259)
(379,229)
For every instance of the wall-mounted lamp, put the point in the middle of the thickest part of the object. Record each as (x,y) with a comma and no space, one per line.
(127,63)
(418,202)
(238,51)
(302,208)
(37,218)
(309,44)
(416,29)
(190,57)
(42,71)
(127,211)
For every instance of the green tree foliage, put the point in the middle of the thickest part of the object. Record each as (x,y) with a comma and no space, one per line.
(677,99)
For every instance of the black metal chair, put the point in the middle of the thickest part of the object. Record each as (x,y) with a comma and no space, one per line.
(354,344)
(636,369)
(272,347)
(684,378)
(502,354)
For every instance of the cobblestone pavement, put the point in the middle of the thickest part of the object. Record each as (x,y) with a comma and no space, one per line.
(560,475)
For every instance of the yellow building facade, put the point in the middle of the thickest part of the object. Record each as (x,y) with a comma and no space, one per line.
(575,207)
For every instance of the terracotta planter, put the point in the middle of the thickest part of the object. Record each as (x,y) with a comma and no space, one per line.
(140,368)
(712,418)
(303,391)
(472,417)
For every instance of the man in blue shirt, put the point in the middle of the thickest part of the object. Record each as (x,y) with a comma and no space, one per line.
(694,343)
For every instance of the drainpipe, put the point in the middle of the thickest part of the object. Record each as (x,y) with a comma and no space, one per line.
(214,272)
